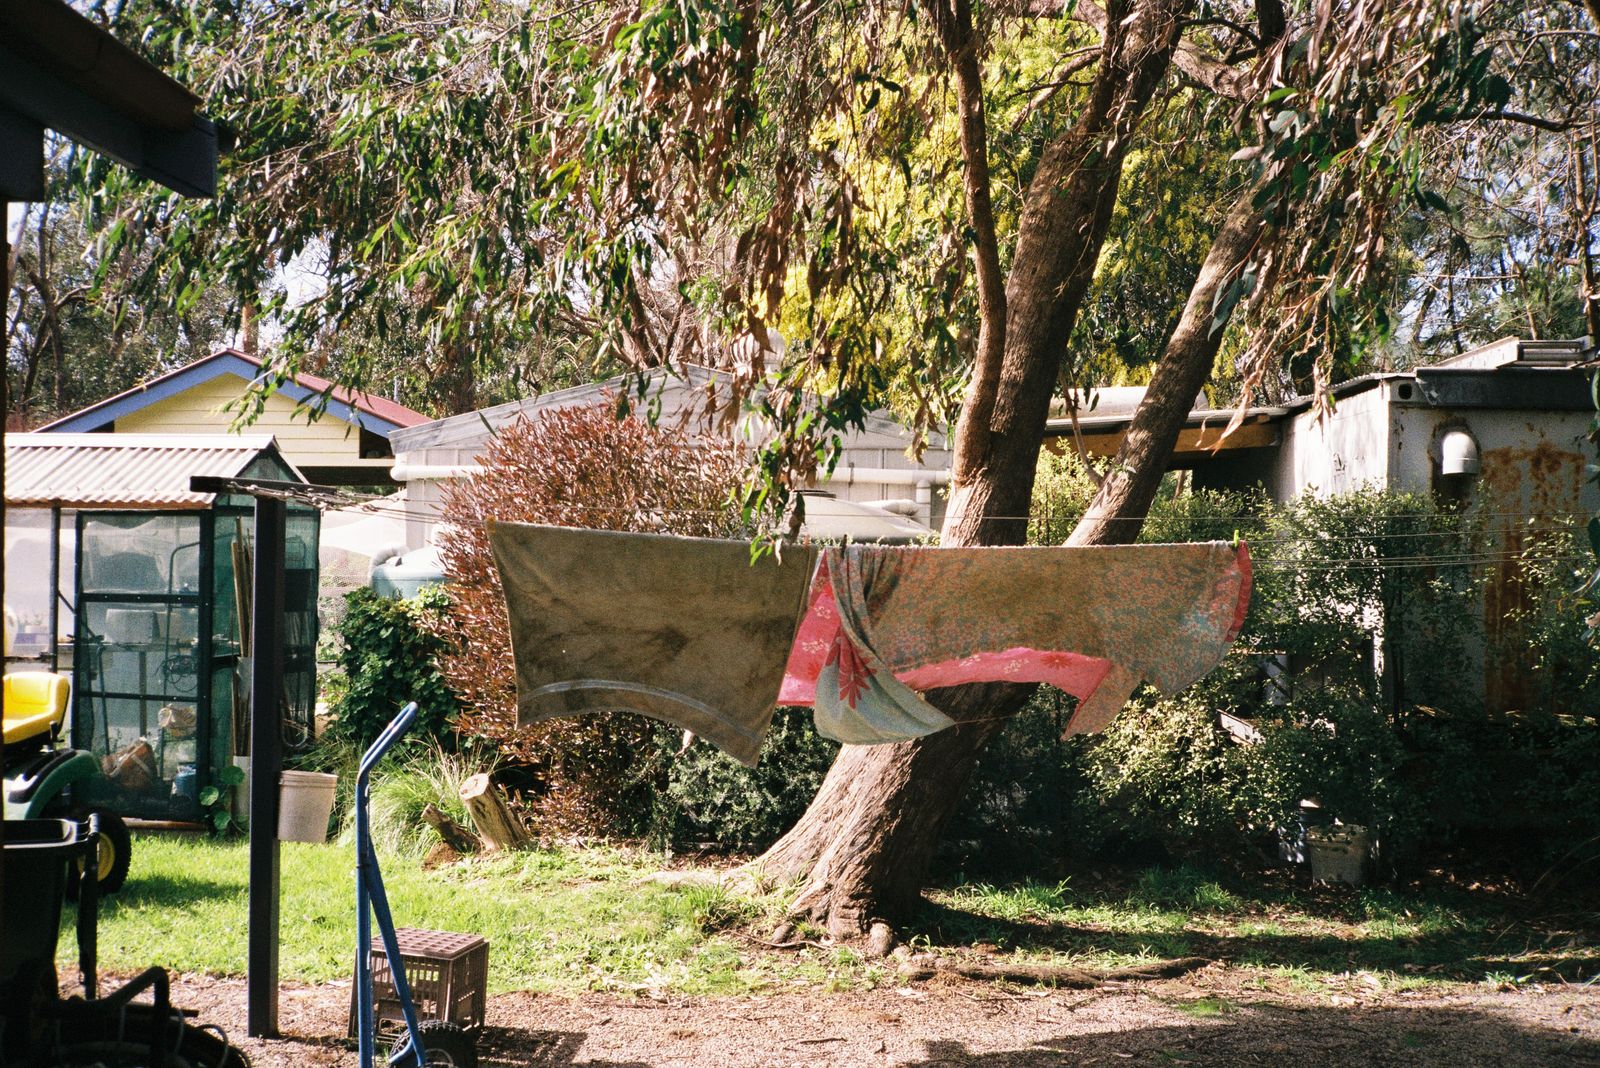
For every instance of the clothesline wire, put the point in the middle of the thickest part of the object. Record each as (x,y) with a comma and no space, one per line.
(1414,564)
(1547,521)
(341,499)
(1351,539)
(376,506)
(326,498)
(1256,541)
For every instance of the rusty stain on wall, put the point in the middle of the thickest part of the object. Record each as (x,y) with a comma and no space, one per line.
(1518,484)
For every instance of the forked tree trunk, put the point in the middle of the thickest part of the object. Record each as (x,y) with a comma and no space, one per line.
(864,846)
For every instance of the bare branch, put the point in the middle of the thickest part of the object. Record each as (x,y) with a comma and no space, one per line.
(1191,61)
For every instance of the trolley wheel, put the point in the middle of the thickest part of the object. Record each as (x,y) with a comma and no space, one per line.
(116,851)
(446,1044)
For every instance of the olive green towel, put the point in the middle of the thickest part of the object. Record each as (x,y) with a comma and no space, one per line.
(687,630)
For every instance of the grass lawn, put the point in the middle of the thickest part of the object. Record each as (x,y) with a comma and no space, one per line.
(570,920)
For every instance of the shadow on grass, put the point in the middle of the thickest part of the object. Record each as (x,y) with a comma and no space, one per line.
(157,889)
(1428,1037)
(1463,954)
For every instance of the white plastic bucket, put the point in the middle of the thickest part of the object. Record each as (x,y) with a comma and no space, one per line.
(305,801)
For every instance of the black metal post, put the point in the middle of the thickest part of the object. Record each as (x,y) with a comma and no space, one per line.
(266,763)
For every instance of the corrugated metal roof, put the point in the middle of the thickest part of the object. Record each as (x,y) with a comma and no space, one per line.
(135,471)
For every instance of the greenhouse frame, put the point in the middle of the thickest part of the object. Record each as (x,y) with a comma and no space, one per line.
(146,603)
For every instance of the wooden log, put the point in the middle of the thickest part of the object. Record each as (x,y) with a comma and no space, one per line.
(497,825)
(451,833)
(926,966)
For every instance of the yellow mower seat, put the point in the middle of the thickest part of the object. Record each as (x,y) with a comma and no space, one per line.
(35,704)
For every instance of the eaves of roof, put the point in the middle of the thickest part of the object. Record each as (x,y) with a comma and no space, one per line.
(1201,417)
(377,414)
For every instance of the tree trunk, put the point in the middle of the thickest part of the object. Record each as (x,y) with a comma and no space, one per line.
(1118,510)
(497,825)
(864,846)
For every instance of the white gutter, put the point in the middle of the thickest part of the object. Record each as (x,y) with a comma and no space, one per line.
(409,472)
(889,476)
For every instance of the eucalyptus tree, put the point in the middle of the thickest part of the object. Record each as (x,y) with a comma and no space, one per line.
(72,339)
(920,194)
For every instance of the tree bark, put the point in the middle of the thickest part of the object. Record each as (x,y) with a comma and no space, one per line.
(451,833)
(864,846)
(1118,510)
(865,843)
(1063,224)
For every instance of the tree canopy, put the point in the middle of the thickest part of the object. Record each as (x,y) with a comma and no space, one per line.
(530,190)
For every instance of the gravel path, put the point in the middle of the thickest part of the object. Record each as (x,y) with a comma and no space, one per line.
(1216,1017)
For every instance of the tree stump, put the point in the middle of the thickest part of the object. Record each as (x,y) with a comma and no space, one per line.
(497,825)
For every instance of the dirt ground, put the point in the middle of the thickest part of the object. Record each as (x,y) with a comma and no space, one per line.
(1215,1017)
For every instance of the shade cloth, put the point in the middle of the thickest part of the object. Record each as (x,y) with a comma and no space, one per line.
(687,630)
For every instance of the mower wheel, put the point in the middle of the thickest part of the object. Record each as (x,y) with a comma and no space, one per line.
(116,851)
(446,1044)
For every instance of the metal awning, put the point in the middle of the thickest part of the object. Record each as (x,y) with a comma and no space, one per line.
(126,471)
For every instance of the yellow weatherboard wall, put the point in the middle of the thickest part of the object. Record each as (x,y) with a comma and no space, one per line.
(327,442)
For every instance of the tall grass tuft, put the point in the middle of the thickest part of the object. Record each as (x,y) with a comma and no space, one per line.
(400,791)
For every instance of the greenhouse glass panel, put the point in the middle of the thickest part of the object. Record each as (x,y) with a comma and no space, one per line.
(141,672)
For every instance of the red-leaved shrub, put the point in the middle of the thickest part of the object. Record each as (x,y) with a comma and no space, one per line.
(577,467)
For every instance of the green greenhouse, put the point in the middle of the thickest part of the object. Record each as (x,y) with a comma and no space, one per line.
(121,576)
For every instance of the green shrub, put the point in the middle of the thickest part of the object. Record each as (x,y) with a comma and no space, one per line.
(714,798)
(1367,609)
(387,655)
(1163,771)
(1016,817)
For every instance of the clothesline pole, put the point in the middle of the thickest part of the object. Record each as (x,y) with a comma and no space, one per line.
(266,741)
(266,762)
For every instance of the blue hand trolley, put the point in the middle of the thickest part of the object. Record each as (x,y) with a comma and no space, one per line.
(432,1042)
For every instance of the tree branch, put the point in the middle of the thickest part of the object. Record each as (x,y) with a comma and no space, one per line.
(1118,510)
(1205,71)
(953,21)
(1538,122)
(1272,22)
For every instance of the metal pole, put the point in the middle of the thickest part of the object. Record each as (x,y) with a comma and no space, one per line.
(266,763)
(55,592)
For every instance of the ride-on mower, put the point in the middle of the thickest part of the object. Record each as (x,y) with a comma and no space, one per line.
(40,774)
(41,1029)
